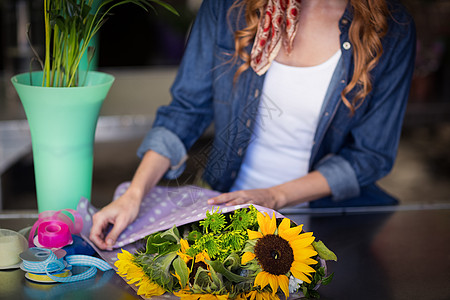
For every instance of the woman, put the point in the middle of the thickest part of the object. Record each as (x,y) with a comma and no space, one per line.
(307,101)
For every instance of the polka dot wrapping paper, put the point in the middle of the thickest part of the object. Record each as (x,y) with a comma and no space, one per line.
(161,209)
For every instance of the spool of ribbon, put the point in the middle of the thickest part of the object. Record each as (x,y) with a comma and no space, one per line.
(45,261)
(53,234)
(11,245)
(55,228)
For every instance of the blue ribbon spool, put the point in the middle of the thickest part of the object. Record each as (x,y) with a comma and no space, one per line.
(45,261)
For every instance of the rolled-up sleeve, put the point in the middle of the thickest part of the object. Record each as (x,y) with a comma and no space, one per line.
(340,176)
(167,144)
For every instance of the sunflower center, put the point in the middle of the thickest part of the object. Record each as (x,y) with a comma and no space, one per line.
(274,254)
(194,269)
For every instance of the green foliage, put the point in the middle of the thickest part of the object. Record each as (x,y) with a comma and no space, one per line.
(161,243)
(318,278)
(194,235)
(243,219)
(69,28)
(323,251)
(214,221)
(182,270)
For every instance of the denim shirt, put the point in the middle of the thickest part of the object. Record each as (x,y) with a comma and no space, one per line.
(351,152)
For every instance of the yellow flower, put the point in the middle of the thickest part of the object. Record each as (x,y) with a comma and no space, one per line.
(148,288)
(186,295)
(202,256)
(257,295)
(280,251)
(133,273)
(182,252)
(127,269)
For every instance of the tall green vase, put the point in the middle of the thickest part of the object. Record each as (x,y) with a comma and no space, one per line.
(62,124)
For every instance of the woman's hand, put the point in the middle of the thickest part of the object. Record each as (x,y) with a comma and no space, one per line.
(123,211)
(270,198)
(120,213)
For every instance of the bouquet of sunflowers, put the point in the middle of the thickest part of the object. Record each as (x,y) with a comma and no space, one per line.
(244,254)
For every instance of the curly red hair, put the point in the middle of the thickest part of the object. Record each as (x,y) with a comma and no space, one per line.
(368,27)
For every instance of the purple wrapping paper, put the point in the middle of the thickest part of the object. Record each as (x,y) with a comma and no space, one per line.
(160,209)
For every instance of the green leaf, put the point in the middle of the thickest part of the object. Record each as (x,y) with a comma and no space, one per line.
(323,251)
(327,280)
(153,243)
(156,244)
(166,6)
(220,268)
(182,270)
(164,263)
(232,262)
(171,234)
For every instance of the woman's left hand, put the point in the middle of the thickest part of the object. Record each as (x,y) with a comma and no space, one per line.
(264,197)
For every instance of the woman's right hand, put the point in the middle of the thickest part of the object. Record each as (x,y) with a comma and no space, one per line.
(120,213)
(123,211)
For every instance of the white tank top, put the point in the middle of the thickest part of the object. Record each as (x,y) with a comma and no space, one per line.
(286,123)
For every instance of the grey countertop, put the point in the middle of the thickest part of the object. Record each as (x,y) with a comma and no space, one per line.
(399,254)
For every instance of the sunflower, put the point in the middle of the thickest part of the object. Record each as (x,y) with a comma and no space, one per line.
(200,257)
(257,295)
(127,269)
(186,295)
(134,274)
(183,249)
(280,251)
(148,288)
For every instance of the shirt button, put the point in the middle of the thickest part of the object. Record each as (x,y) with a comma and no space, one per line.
(326,114)
(240,151)
(344,21)
(233,174)
(343,81)
(346,45)
(249,122)
(256,93)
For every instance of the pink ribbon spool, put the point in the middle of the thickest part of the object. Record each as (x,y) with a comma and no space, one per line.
(54,234)
(74,227)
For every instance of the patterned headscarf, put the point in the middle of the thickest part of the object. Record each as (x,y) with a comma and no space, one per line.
(277,26)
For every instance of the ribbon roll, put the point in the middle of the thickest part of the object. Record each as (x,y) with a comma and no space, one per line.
(43,278)
(11,245)
(53,234)
(41,260)
(47,240)
(45,261)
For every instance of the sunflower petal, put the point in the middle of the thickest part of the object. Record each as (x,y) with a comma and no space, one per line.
(262,279)
(261,222)
(125,255)
(254,234)
(273,281)
(284,225)
(248,256)
(292,233)
(304,268)
(305,235)
(283,280)
(184,245)
(272,225)
(288,233)
(301,276)
(303,253)
(302,243)
(310,261)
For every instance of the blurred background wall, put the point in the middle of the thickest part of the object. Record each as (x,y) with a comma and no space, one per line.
(143,51)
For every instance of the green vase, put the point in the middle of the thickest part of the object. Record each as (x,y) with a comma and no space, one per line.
(62,124)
